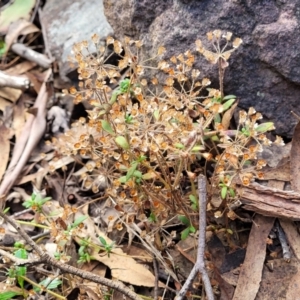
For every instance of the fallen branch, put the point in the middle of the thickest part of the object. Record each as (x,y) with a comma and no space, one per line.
(17,82)
(45,258)
(270,202)
(31,55)
(200,264)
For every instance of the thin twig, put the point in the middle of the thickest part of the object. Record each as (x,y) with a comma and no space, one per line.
(20,213)
(200,264)
(156,278)
(283,241)
(17,82)
(31,55)
(119,286)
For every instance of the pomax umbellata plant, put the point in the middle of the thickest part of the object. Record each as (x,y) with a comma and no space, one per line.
(150,138)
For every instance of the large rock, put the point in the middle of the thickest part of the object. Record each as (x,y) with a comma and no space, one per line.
(264,72)
(68,22)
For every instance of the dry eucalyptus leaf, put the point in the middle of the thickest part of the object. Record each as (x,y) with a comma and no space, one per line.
(19,27)
(10,93)
(19,118)
(228,116)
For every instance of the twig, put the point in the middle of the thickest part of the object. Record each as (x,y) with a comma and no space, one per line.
(69,269)
(31,55)
(20,213)
(17,82)
(200,264)
(156,278)
(40,235)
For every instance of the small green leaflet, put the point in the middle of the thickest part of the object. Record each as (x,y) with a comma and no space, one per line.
(224,192)
(228,97)
(184,220)
(156,114)
(122,142)
(102,240)
(228,104)
(79,221)
(264,127)
(131,170)
(106,127)
(185,233)
(179,145)
(49,284)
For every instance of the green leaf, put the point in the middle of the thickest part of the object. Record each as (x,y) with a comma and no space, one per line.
(137,174)
(215,138)
(217,118)
(123,179)
(122,142)
(6,210)
(21,271)
(193,198)
(79,221)
(229,97)
(9,295)
(197,148)
(125,85)
(185,233)
(232,192)
(103,241)
(179,146)
(156,114)
(184,220)
(131,170)
(264,127)
(28,203)
(152,217)
(49,284)
(106,127)
(192,229)
(224,192)
(228,104)
(194,207)
(229,231)
(21,253)
(114,97)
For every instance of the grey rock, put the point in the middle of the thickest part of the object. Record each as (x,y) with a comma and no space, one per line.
(264,72)
(68,22)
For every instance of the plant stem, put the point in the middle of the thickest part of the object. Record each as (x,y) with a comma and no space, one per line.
(200,264)
(33,224)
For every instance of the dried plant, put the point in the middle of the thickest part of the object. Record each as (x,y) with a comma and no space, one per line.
(150,139)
